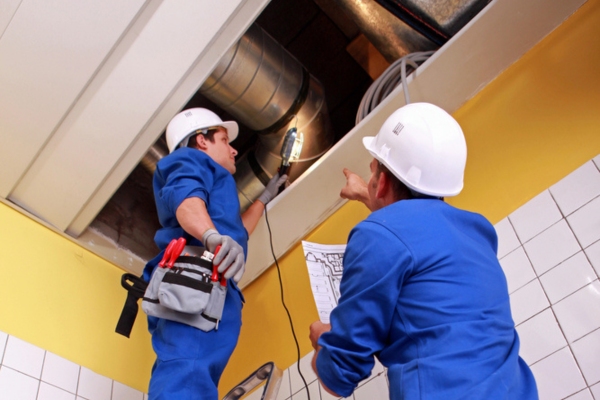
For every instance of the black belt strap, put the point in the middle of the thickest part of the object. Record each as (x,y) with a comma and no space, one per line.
(135,291)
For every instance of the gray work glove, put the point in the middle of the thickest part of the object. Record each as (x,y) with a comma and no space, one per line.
(230,257)
(272,188)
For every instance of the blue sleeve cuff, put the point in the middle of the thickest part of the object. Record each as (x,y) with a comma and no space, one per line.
(330,375)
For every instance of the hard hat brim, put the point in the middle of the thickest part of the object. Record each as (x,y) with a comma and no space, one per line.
(232,129)
(368,142)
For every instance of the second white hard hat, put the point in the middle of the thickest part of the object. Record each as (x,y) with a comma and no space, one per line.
(187,122)
(424,147)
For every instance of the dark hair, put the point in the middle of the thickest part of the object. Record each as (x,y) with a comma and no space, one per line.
(401,191)
(209,135)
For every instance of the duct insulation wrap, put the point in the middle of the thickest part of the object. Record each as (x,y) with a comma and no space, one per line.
(265,88)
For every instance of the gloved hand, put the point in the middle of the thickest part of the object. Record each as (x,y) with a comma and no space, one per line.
(230,257)
(272,188)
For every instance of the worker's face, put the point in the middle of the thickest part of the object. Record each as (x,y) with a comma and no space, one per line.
(372,185)
(220,151)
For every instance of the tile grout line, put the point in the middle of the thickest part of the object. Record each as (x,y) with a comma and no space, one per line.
(41,374)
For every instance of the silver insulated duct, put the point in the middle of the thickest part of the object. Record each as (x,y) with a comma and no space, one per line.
(392,37)
(265,88)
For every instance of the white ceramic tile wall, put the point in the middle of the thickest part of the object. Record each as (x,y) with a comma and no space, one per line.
(551,247)
(507,238)
(375,385)
(568,277)
(579,313)
(540,336)
(555,299)
(535,216)
(376,388)
(49,392)
(28,372)
(585,394)
(557,376)
(593,254)
(518,269)
(577,189)
(23,357)
(560,336)
(596,388)
(285,387)
(16,385)
(528,301)
(296,381)
(122,392)
(93,386)
(585,223)
(313,388)
(587,350)
(60,372)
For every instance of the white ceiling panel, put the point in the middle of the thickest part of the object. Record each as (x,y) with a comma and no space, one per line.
(228,34)
(139,75)
(48,53)
(7,10)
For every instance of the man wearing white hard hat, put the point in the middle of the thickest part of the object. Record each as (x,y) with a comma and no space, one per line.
(422,289)
(196,198)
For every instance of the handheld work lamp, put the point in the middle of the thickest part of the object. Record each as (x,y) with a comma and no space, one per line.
(290,150)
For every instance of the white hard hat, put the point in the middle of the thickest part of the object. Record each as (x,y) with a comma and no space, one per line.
(424,147)
(187,122)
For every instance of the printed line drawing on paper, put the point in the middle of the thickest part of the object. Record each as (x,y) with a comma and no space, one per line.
(324,264)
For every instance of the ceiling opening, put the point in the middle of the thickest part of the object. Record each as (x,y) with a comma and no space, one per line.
(337,42)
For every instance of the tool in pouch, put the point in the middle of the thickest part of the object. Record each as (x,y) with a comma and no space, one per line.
(185,289)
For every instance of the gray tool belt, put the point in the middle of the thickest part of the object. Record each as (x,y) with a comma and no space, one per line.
(190,292)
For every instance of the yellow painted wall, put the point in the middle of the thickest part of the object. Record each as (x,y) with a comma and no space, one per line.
(62,298)
(537,121)
(532,126)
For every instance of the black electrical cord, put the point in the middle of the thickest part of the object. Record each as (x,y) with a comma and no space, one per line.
(284,306)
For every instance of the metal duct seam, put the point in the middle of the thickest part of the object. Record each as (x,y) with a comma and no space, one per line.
(294,108)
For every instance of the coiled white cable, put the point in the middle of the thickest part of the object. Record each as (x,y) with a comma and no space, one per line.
(391,78)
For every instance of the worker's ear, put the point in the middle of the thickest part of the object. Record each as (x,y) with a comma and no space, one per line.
(201,142)
(383,185)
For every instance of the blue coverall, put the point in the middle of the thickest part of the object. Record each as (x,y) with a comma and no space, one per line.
(423,291)
(189,362)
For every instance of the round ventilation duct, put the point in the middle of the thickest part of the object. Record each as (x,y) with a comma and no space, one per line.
(265,88)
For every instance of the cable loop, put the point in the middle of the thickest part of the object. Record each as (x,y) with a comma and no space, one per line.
(389,80)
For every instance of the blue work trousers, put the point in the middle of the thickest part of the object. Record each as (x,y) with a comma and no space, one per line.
(189,362)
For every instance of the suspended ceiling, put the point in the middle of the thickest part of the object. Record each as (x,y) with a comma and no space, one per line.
(87,87)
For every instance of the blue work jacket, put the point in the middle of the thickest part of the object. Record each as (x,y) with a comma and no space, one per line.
(188,173)
(423,291)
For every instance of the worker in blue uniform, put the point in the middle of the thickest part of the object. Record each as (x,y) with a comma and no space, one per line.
(196,198)
(422,289)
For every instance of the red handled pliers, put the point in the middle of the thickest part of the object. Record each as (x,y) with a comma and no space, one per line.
(172,252)
(215,273)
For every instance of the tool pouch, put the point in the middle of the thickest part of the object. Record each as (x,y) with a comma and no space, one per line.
(187,286)
(216,302)
(186,294)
